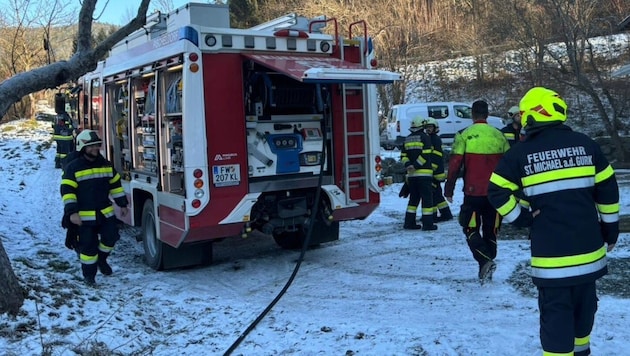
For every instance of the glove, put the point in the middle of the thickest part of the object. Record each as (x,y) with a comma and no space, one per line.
(72,238)
(404,191)
(524,219)
(610,232)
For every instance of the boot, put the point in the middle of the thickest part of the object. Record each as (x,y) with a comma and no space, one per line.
(102,264)
(410,222)
(445,215)
(89,274)
(427,223)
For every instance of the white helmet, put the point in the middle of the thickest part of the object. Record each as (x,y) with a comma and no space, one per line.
(87,138)
(514,110)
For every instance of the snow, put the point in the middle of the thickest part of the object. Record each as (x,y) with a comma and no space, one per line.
(379,290)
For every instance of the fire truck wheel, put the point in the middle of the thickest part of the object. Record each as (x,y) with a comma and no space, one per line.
(290,240)
(152,246)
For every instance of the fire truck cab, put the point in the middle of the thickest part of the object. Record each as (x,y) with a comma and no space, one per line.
(218,131)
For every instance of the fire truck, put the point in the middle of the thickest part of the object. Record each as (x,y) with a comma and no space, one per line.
(218,131)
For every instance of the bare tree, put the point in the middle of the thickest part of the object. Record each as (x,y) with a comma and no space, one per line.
(47,77)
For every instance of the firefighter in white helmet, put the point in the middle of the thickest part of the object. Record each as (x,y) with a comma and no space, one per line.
(512,129)
(416,157)
(574,217)
(86,187)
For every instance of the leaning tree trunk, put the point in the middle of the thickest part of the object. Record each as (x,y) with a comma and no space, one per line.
(11,294)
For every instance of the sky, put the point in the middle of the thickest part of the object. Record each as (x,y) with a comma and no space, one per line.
(119,12)
(378,290)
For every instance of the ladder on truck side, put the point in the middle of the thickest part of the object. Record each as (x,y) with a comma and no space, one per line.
(356,162)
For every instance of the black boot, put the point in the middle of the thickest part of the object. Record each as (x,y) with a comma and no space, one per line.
(89,274)
(445,215)
(410,222)
(427,223)
(102,264)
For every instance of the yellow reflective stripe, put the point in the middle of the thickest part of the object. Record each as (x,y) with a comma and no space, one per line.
(582,343)
(413,145)
(117,192)
(421,173)
(558,174)
(108,212)
(87,215)
(115,179)
(69,198)
(421,160)
(567,261)
(62,138)
(105,248)
(69,182)
(429,151)
(91,173)
(502,182)
(440,177)
(557,186)
(427,211)
(608,208)
(567,272)
(547,353)
(412,209)
(507,208)
(88,260)
(605,174)
(509,135)
(437,153)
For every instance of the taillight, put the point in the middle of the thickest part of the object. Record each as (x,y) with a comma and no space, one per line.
(198,183)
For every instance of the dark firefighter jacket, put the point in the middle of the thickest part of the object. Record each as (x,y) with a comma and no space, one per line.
(63,134)
(511,134)
(416,152)
(478,148)
(437,158)
(564,175)
(86,187)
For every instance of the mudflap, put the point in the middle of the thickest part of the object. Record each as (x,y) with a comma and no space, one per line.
(187,255)
(324,233)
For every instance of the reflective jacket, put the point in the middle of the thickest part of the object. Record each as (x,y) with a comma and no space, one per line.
(86,187)
(564,175)
(478,148)
(437,158)
(417,152)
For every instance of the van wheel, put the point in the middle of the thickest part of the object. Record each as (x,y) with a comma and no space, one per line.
(153,248)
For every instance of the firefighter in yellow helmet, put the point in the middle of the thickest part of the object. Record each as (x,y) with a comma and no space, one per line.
(416,157)
(573,221)
(432,128)
(86,187)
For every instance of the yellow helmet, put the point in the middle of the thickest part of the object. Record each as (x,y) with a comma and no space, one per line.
(541,106)
(417,123)
(431,121)
(87,138)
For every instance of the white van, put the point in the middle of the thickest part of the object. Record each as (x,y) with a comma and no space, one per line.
(451,116)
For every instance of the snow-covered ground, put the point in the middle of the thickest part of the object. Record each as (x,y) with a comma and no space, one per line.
(379,290)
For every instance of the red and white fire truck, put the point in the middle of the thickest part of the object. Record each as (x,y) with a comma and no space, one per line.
(218,131)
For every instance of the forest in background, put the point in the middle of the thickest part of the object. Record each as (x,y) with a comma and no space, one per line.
(549,41)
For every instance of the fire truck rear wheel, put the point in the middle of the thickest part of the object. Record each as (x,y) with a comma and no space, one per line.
(152,246)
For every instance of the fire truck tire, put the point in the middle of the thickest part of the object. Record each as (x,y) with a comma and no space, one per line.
(290,240)
(153,248)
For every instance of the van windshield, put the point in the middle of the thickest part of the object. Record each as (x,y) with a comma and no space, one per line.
(463,111)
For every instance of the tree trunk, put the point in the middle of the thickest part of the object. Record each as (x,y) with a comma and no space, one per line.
(11,294)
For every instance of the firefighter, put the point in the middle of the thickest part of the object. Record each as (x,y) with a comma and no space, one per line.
(512,129)
(63,135)
(574,220)
(432,128)
(478,148)
(86,186)
(416,157)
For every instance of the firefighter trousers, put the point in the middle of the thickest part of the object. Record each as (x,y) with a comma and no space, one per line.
(481,224)
(567,315)
(90,244)
(420,190)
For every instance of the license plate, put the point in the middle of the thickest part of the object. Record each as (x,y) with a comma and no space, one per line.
(226,175)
